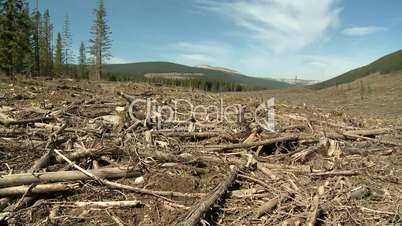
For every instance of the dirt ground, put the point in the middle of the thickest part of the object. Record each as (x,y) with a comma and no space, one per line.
(333,159)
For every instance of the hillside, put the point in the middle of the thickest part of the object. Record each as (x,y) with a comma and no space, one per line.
(141,69)
(385,65)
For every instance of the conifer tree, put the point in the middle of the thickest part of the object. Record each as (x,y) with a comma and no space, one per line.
(36,20)
(58,55)
(67,43)
(15,34)
(45,44)
(100,41)
(83,73)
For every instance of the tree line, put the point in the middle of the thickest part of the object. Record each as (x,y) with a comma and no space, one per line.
(214,85)
(30,46)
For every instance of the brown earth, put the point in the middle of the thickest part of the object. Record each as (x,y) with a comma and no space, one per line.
(331,168)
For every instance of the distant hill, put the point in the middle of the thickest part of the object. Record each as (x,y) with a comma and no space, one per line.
(217,68)
(298,82)
(385,65)
(204,72)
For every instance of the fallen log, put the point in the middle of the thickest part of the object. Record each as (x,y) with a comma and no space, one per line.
(271,204)
(223,148)
(38,189)
(106,204)
(60,176)
(126,187)
(194,215)
(337,173)
(368,132)
(199,135)
(43,162)
(315,208)
(90,153)
(9,122)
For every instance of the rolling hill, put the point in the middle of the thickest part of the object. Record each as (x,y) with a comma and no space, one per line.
(207,73)
(385,65)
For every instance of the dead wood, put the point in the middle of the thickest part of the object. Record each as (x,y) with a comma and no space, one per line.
(9,122)
(38,189)
(90,153)
(315,208)
(199,135)
(111,184)
(198,210)
(271,204)
(105,204)
(369,132)
(223,148)
(336,173)
(60,176)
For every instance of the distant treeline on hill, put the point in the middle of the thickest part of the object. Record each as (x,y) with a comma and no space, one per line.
(214,85)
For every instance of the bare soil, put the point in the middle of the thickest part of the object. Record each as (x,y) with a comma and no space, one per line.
(340,166)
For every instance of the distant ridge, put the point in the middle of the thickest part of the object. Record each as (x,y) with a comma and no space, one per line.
(385,65)
(208,73)
(217,68)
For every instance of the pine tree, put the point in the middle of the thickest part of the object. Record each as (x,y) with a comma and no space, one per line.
(67,43)
(58,55)
(83,73)
(100,42)
(36,20)
(24,58)
(15,36)
(45,44)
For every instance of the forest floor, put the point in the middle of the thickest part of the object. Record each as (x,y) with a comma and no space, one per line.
(71,153)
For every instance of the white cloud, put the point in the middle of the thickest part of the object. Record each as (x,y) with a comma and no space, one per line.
(117,60)
(362,31)
(280,25)
(202,52)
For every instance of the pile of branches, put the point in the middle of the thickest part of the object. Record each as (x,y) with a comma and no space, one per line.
(79,158)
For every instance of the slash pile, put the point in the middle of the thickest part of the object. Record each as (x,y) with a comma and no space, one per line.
(72,153)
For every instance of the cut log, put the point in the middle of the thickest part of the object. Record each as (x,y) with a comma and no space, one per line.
(253,144)
(337,173)
(106,204)
(38,189)
(315,208)
(60,176)
(122,186)
(195,135)
(90,153)
(6,121)
(271,204)
(194,215)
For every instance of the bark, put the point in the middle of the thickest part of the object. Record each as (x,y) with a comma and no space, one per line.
(38,189)
(194,215)
(271,204)
(107,204)
(60,176)
(254,144)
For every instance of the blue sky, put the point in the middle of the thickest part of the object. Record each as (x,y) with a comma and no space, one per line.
(310,39)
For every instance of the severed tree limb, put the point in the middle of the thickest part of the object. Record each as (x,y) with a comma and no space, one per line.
(38,189)
(90,153)
(60,176)
(126,187)
(254,144)
(315,208)
(9,122)
(199,135)
(43,162)
(337,173)
(105,204)
(196,212)
(271,204)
